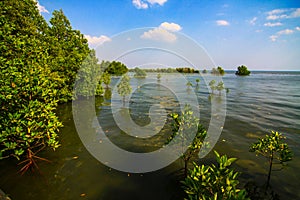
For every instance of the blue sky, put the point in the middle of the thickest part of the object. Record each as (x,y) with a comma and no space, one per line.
(261,34)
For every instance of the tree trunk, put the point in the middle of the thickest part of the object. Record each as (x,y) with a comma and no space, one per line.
(185,168)
(270,170)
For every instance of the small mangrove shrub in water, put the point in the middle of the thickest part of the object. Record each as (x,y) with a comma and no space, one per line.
(184,127)
(214,182)
(273,148)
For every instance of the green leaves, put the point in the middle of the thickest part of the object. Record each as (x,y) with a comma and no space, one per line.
(272,144)
(106,78)
(218,71)
(88,80)
(68,51)
(242,71)
(124,87)
(272,147)
(213,182)
(186,128)
(139,73)
(116,68)
(27,94)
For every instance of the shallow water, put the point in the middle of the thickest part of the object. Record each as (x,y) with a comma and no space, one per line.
(255,104)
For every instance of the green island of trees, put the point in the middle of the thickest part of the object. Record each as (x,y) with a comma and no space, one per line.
(219,71)
(116,68)
(242,71)
(186,70)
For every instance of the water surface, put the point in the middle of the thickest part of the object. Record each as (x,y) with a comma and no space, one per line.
(256,104)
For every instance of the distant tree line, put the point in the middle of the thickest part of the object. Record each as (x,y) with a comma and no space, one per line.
(219,71)
(170,70)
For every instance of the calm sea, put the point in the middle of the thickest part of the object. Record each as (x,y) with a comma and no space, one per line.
(255,105)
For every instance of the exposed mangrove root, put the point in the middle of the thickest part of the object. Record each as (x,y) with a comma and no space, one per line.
(30,162)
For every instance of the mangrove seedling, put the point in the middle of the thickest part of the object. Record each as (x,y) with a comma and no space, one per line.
(214,182)
(273,148)
(186,127)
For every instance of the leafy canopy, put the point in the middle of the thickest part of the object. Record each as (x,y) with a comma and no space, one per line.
(28,96)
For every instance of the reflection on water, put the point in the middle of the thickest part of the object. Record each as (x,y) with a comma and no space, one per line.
(255,105)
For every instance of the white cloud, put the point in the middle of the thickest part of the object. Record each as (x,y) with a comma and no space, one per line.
(277,11)
(159,34)
(279,33)
(297,28)
(94,41)
(285,32)
(160,2)
(273,24)
(295,13)
(222,23)
(163,32)
(139,4)
(144,4)
(283,13)
(273,38)
(253,20)
(41,8)
(170,26)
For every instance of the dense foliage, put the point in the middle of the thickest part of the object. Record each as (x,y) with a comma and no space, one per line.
(67,50)
(38,65)
(215,182)
(272,147)
(27,95)
(106,78)
(187,70)
(242,71)
(116,68)
(88,80)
